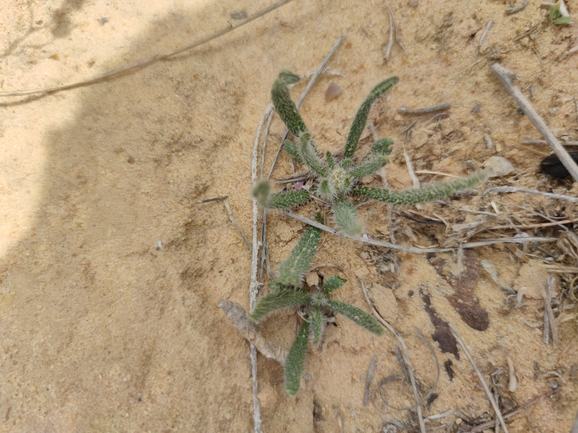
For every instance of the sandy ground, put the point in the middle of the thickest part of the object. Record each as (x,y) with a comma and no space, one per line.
(111,270)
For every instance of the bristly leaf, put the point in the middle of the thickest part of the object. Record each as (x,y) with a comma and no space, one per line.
(295,361)
(369,166)
(346,216)
(291,271)
(421,195)
(362,114)
(292,150)
(325,190)
(309,154)
(316,320)
(382,146)
(275,301)
(284,105)
(276,287)
(280,200)
(333,283)
(357,315)
(330,160)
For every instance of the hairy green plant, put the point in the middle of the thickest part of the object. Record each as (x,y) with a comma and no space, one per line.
(558,14)
(289,290)
(339,178)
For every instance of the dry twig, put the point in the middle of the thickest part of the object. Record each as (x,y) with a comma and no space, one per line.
(230,213)
(533,192)
(480,376)
(507,77)
(410,369)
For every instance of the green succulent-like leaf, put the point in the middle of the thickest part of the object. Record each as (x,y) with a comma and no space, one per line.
(280,200)
(357,315)
(333,283)
(309,154)
(316,320)
(362,114)
(292,150)
(420,195)
(291,271)
(382,146)
(287,199)
(346,216)
(368,167)
(284,105)
(330,160)
(276,301)
(295,362)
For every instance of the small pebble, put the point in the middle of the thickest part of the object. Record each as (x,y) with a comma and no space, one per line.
(497,166)
(332,92)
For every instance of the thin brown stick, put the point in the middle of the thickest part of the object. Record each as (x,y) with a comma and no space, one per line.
(208,200)
(532,192)
(150,61)
(481,377)
(426,110)
(549,314)
(230,213)
(410,369)
(507,77)
(484,426)
(488,27)
(563,143)
(370,372)
(416,250)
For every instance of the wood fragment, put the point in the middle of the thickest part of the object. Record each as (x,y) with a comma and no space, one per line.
(488,27)
(517,9)
(563,143)
(250,331)
(506,77)
(208,200)
(532,192)
(481,377)
(370,372)
(550,325)
(393,36)
(427,110)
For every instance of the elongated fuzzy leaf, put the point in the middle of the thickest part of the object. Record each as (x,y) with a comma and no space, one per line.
(382,146)
(280,200)
(284,105)
(357,315)
(346,216)
(369,166)
(296,360)
(287,199)
(309,154)
(292,271)
(361,116)
(292,150)
(316,325)
(276,301)
(333,283)
(420,195)
(330,160)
